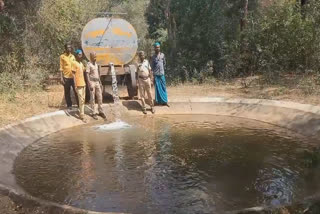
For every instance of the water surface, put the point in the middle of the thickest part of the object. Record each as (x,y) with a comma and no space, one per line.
(169,164)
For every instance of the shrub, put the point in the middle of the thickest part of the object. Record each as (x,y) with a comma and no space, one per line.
(278,39)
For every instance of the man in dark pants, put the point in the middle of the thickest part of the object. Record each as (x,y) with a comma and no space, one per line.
(66,61)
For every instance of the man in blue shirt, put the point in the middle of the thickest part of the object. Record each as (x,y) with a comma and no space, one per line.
(158,64)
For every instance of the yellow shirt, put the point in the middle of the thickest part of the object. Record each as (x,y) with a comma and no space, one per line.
(66,64)
(78,69)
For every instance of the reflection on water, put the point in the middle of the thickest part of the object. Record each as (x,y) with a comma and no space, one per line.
(173,164)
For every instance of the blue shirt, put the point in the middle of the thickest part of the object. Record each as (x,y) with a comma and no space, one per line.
(158,64)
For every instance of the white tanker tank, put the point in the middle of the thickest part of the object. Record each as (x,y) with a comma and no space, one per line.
(115,41)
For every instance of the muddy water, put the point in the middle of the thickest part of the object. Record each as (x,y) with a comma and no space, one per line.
(172,164)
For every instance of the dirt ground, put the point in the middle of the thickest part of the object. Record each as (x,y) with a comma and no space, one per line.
(15,107)
(19,106)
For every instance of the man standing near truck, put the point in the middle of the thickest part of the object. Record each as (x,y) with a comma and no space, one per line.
(78,75)
(158,64)
(145,79)
(66,61)
(95,86)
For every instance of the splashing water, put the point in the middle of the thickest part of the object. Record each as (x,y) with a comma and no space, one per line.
(112,126)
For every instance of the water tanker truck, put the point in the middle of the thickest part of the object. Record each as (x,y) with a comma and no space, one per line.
(115,42)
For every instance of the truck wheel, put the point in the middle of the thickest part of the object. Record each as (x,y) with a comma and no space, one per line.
(131,82)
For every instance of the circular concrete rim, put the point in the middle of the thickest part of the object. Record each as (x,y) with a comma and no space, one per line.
(24,198)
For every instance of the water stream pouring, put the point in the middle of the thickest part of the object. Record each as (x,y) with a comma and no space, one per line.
(115,42)
(114,84)
(115,94)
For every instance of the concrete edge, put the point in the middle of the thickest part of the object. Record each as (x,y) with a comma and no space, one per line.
(275,103)
(264,102)
(50,207)
(24,198)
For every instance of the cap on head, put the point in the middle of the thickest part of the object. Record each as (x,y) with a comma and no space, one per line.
(78,52)
(156,44)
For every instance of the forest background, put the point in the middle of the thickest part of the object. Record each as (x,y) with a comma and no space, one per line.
(204,41)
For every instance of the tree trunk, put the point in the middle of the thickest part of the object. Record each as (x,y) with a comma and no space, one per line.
(243,21)
(303,2)
(173,35)
(172,28)
(1,5)
(243,70)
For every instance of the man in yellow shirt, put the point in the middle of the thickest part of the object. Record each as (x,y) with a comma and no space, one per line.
(78,74)
(66,60)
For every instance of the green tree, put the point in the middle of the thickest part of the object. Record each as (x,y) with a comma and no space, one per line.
(197,31)
(135,14)
(33,34)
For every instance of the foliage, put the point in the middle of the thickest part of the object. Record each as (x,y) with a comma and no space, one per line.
(33,34)
(279,37)
(287,42)
(135,14)
(203,28)
(201,39)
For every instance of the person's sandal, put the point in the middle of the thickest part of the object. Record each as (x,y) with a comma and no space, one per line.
(83,119)
(152,110)
(144,111)
(103,115)
(95,117)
